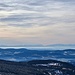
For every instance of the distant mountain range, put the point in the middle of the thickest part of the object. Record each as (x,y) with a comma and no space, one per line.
(61,45)
(23,54)
(36,45)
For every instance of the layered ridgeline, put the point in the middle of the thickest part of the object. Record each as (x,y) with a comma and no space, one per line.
(23,54)
(37,62)
(36,67)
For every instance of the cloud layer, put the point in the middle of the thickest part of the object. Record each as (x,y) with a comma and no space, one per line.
(37,21)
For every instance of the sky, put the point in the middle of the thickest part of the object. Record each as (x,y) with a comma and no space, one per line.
(37,22)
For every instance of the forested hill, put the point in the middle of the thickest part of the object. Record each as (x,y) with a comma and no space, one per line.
(23,54)
(36,67)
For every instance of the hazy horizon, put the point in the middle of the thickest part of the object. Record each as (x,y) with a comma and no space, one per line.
(35,45)
(40,47)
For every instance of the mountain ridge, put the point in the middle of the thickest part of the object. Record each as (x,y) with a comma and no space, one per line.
(36,67)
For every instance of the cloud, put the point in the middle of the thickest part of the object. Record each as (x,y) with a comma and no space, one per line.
(44,20)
